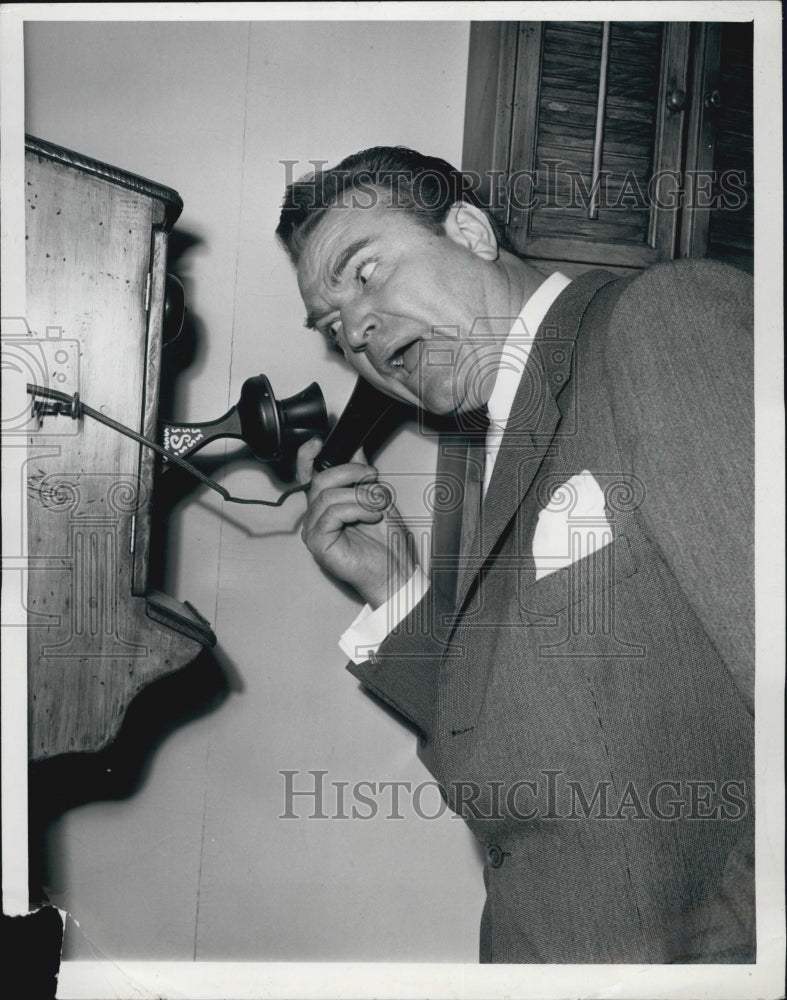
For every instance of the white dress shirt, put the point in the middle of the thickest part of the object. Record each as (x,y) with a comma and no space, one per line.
(364,636)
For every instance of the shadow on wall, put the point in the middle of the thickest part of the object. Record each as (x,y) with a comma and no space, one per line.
(121,769)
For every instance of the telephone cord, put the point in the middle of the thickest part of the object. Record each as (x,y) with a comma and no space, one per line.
(73,406)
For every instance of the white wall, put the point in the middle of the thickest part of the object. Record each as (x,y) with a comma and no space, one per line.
(196,863)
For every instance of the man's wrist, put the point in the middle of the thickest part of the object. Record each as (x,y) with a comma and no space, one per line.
(388,590)
(372,625)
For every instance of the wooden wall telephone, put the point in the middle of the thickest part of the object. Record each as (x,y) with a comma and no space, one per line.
(98,311)
(100,306)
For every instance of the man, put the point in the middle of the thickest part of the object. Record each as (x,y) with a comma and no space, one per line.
(579,663)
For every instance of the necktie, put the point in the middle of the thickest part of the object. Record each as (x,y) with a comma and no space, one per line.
(474,487)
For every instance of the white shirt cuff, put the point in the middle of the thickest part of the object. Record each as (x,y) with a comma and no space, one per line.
(363,638)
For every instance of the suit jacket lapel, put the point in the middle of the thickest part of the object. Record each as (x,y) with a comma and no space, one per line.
(535,417)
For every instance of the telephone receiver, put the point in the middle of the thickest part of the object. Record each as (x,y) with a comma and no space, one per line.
(364,412)
(275,429)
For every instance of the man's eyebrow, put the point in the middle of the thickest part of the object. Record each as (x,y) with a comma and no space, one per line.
(336,273)
(345,257)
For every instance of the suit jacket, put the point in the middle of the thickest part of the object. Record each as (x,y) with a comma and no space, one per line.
(594,727)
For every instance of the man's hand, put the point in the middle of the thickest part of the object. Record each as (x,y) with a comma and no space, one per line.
(353,530)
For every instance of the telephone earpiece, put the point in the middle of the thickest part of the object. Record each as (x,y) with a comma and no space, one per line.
(273,429)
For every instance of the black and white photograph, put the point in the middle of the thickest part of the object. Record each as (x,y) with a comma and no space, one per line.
(393,500)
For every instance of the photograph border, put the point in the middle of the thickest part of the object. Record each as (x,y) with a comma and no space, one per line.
(88,980)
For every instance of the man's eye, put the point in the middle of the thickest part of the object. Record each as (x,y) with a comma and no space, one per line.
(333,330)
(365,270)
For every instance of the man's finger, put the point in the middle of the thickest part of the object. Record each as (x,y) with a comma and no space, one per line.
(341,476)
(374,495)
(305,459)
(321,499)
(333,520)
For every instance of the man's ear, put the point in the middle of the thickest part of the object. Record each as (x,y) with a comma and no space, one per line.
(470,227)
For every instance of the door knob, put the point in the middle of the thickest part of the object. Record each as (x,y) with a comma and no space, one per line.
(676,100)
(712,99)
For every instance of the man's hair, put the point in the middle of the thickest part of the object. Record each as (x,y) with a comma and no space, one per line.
(424,186)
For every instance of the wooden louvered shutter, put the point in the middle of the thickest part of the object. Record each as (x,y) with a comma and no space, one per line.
(558,75)
(661,110)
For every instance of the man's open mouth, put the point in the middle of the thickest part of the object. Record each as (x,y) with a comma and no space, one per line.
(405,358)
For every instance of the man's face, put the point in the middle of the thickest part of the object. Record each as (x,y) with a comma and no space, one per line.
(401,303)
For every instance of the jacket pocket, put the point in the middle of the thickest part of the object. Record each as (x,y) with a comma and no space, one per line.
(587,578)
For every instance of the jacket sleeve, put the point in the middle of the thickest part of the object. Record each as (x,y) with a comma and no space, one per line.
(680,370)
(405,669)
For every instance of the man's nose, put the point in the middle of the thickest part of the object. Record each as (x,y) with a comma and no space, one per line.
(359,328)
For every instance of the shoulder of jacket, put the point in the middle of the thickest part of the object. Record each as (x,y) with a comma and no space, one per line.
(700,275)
(671,306)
